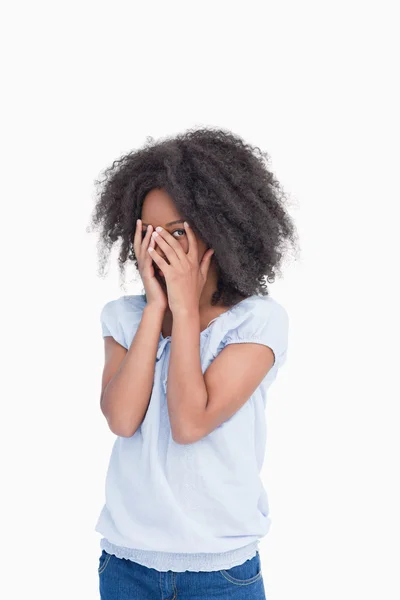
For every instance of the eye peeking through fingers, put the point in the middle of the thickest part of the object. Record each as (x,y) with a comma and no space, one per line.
(179,231)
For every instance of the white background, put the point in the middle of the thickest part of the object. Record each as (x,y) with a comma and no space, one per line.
(315,85)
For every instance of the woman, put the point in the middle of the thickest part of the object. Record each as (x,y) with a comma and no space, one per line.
(188,364)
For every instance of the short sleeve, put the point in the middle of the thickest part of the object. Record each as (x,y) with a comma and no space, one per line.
(104,318)
(269,327)
(111,322)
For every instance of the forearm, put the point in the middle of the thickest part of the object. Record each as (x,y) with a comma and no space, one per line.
(187,392)
(126,397)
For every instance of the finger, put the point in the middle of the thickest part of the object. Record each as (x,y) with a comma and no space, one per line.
(160,262)
(206,262)
(146,240)
(193,249)
(169,245)
(147,255)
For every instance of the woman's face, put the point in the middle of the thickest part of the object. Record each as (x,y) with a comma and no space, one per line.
(159,210)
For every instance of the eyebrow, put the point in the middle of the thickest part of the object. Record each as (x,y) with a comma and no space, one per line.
(168,224)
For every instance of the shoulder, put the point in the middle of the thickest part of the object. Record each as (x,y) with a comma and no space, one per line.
(261,307)
(258,319)
(120,316)
(256,312)
(124,305)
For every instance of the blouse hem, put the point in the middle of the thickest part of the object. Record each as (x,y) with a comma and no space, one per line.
(179,562)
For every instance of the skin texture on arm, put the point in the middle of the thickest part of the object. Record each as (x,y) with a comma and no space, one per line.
(199,403)
(128,375)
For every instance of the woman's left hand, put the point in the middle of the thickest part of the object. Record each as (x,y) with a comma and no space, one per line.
(184,276)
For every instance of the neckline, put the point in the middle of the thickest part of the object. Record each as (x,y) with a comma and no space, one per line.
(216,318)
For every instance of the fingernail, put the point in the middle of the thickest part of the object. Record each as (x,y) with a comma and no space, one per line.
(158,228)
(186,223)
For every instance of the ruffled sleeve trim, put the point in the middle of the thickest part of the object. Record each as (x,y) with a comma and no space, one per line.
(121,317)
(260,320)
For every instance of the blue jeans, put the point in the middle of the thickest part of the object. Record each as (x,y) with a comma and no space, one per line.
(123,579)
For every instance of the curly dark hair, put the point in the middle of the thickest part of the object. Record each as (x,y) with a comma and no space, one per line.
(222,186)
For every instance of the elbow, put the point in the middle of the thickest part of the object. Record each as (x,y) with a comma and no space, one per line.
(182,440)
(122,431)
(119,424)
(121,428)
(186,436)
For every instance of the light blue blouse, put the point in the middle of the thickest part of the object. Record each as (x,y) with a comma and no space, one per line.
(200,506)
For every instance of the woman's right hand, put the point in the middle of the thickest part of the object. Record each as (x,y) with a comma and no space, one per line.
(154,293)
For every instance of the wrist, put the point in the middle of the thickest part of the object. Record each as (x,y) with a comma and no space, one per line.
(186,314)
(155,310)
